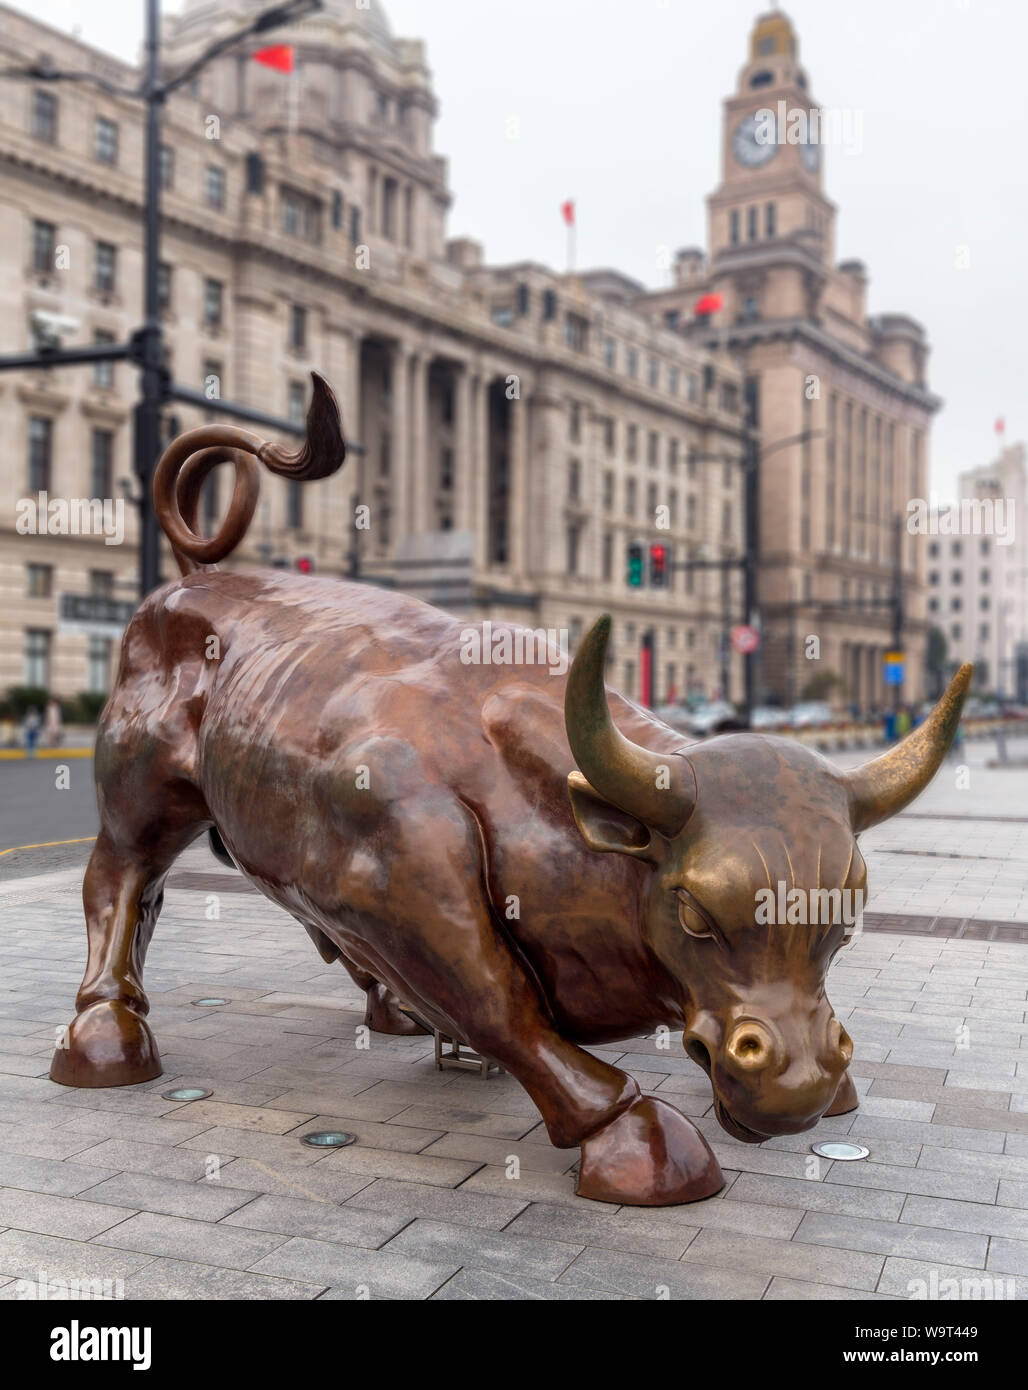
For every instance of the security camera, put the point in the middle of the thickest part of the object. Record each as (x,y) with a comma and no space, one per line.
(49,328)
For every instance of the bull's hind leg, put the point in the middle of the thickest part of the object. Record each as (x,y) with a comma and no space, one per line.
(109,1042)
(384,1012)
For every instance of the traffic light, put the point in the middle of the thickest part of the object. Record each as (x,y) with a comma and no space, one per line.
(658,566)
(635,564)
(305,564)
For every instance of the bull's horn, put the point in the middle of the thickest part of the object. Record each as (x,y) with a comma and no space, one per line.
(885,785)
(658,789)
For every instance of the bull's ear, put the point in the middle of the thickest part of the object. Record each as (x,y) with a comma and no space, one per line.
(604,827)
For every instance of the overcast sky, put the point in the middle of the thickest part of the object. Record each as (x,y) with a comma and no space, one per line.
(618,105)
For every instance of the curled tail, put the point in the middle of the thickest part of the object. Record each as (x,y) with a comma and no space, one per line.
(189,460)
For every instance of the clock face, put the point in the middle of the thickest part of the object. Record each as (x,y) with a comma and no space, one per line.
(810,153)
(750,145)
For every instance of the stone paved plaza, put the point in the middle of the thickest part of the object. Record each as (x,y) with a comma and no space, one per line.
(219,1199)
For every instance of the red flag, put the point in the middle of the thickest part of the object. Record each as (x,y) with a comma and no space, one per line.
(1001,426)
(709,304)
(280,57)
(568,212)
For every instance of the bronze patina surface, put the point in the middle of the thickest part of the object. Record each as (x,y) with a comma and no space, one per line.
(398,802)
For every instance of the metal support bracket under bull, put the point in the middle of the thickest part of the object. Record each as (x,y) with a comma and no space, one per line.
(395,792)
(451,1052)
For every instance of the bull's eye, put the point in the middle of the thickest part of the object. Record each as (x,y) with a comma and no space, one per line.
(692,918)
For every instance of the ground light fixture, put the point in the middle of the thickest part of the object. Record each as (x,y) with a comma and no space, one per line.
(210,1002)
(839,1151)
(186,1093)
(328,1139)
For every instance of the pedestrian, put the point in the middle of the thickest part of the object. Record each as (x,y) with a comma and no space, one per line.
(53,724)
(30,728)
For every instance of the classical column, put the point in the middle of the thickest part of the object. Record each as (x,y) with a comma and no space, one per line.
(464,461)
(521,520)
(481,470)
(419,457)
(401,458)
(343,374)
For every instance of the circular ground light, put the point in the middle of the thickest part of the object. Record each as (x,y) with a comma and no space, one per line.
(328,1139)
(209,1003)
(186,1093)
(842,1153)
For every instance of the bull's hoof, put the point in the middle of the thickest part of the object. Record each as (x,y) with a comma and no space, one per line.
(650,1156)
(846,1098)
(384,1015)
(107,1044)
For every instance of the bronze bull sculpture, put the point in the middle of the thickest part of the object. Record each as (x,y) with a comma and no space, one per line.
(398,803)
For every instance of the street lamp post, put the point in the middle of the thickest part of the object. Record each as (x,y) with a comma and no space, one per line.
(146,346)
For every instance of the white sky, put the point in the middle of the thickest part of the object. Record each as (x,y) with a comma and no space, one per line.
(619,104)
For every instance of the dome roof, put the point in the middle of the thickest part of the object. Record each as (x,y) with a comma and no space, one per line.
(370,19)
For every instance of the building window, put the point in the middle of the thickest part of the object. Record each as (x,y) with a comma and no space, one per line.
(751,223)
(955,604)
(44,116)
(575,423)
(213,296)
(654,372)
(37,658)
(164,287)
(41,439)
(103,372)
(576,332)
(984,576)
(574,480)
(608,556)
(214,187)
(633,363)
(44,243)
(39,581)
(102,455)
(770,220)
(105,267)
(297,402)
(298,328)
(734,222)
(652,448)
(630,490)
(983,546)
(609,435)
(610,353)
(98,665)
(608,490)
(672,380)
(301,215)
(957,577)
(983,603)
(955,632)
(167,166)
(632,442)
(572,540)
(105,140)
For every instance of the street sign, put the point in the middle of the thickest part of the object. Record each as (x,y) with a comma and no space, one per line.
(98,616)
(892,667)
(745,639)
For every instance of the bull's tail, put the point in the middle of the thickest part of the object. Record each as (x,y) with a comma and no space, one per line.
(189,460)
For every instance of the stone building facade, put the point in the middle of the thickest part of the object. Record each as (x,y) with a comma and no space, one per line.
(841,399)
(526,427)
(978,575)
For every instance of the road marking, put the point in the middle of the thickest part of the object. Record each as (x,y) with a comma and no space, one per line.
(48,844)
(13,754)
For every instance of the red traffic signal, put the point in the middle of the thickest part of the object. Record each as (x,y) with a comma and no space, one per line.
(658,566)
(305,564)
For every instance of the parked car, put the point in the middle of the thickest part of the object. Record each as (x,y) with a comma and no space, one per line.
(705,719)
(769,717)
(811,714)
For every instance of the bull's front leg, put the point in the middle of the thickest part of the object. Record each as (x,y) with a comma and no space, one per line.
(462,971)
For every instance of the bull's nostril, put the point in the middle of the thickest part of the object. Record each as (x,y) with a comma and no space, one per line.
(749,1047)
(842,1042)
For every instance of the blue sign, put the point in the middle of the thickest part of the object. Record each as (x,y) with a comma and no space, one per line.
(894,673)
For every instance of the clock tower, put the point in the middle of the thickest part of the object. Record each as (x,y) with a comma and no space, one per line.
(837,399)
(770,202)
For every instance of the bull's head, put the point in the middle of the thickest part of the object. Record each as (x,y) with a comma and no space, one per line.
(720,823)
